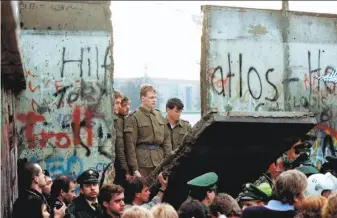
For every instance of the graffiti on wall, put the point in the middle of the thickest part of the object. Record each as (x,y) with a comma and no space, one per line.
(306,94)
(64,120)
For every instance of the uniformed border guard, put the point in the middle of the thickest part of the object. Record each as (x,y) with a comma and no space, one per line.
(178,127)
(86,205)
(146,137)
(203,188)
(121,167)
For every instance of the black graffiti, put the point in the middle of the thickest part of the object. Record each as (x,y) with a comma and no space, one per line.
(249,87)
(87,92)
(80,61)
(219,68)
(83,124)
(218,72)
(230,75)
(326,114)
(270,83)
(328,143)
(61,92)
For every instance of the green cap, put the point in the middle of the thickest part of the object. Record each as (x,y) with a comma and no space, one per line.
(265,188)
(308,170)
(251,192)
(207,180)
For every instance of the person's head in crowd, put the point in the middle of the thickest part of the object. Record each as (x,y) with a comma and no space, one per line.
(88,181)
(117,102)
(311,207)
(137,191)
(224,204)
(275,169)
(63,189)
(46,189)
(148,96)
(164,210)
(330,207)
(203,188)
(174,107)
(111,197)
(254,196)
(44,211)
(125,106)
(290,187)
(320,184)
(191,208)
(31,175)
(137,212)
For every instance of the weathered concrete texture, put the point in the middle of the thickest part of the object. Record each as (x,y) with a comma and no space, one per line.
(9,153)
(66,15)
(11,64)
(12,82)
(64,118)
(267,60)
(237,148)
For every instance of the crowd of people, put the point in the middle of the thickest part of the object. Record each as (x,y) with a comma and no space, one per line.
(143,139)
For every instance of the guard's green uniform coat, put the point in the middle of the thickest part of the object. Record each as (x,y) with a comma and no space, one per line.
(178,132)
(120,148)
(143,129)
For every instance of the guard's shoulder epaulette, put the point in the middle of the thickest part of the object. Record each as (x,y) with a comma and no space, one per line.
(132,113)
(157,110)
(186,121)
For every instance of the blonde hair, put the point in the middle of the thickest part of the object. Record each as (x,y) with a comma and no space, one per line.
(289,184)
(164,211)
(311,206)
(144,88)
(118,94)
(330,207)
(137,212)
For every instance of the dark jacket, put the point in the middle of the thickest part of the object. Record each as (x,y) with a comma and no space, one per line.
(274,209)
(29,201)
(80,208)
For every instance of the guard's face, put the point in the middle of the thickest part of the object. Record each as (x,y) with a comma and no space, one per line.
(116,204)
(125,108)
(69,196)
(144,195)
(211,195)
(149,100)
(90,191)
(174,113)
(46,189)
(117,105)
(250,203)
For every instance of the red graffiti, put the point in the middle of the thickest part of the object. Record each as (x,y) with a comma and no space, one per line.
(218,83)
(77,125)
(30,74)
(58,136)
(30,119)
(62,140)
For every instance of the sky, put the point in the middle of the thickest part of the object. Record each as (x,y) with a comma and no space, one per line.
(161,40)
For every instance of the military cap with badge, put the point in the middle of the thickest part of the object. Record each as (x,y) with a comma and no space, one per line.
(88,177)
(205,181)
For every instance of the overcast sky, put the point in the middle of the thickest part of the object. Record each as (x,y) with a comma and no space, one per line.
(163,36)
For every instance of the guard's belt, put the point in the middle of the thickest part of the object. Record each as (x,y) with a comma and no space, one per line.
(148,146)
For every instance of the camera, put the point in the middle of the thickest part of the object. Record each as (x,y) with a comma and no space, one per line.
(58,205)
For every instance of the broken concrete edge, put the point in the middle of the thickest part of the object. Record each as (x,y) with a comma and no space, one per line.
(208,8)
(12,70)
(174,158)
